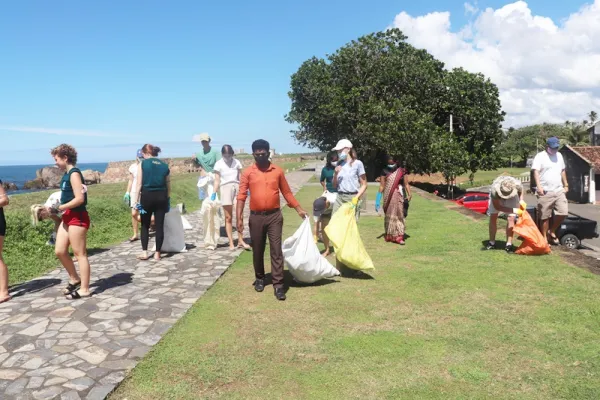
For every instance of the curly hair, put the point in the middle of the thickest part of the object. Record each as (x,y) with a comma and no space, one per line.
(65,150)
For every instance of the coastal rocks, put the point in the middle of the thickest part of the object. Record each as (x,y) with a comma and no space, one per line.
(8,186)
(91,177)
(50,177)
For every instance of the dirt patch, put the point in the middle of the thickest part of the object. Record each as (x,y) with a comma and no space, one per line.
(578,259)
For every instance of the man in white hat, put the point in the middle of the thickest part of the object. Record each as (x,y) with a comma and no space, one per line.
(208,157)
(506,196)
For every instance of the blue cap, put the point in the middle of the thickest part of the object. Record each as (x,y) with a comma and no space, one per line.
(140,154)
(553,142)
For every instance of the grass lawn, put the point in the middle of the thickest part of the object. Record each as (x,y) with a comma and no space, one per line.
(25,249)
(489,176)
(291,166)
(440,320)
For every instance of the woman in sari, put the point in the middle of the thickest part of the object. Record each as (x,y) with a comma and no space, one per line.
(393,187)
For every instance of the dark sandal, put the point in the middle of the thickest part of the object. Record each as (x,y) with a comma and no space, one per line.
(71,287)
(76,296)
(553,239)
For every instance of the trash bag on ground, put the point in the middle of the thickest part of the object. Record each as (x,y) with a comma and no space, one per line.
(534,243)
(343,234)
(303,259)
(210,211)
(174,241)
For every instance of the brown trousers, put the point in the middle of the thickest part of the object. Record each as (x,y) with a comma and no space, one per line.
(261,227)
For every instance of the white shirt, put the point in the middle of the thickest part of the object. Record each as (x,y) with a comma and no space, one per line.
(228,174)
(550,169)
(133,170)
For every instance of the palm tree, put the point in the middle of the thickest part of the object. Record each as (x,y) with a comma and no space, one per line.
(593,116)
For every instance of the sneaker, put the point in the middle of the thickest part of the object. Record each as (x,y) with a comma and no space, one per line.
(490,246)
(509,248)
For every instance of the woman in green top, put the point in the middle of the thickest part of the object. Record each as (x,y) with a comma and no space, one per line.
(328,171)
(75,222)
(154,190)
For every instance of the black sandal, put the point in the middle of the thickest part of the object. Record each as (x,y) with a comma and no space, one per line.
(71,287)
(76,296)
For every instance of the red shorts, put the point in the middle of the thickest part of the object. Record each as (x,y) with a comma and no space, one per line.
(76,218)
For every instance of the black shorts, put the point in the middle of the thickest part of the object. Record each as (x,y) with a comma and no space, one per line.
(2,223)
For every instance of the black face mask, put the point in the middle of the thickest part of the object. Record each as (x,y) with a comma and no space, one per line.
(261,160)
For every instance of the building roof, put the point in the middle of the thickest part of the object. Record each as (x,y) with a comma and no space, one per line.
(589,154)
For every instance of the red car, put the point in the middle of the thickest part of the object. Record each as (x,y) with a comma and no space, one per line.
(476,201)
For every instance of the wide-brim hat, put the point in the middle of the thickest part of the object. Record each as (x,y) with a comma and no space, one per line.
(506,188)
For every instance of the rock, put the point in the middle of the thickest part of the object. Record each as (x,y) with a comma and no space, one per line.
(34,184)
(8,186)
(50,176)
(91,177)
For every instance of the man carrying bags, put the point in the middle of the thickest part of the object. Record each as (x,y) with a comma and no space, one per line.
(266,181)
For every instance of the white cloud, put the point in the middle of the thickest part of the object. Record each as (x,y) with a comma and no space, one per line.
(545,71)
(60,132)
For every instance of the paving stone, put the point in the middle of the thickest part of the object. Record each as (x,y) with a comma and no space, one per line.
(81,384)
(34,363)
(74,326)
(69,373)
(35,382)
(55,381)
(118,364)
(64,312)
(96,373)
(107,315)
(27,347)
(16,387)
(99,392)
(72,395)
(47,393)
(93,355)
(36,329)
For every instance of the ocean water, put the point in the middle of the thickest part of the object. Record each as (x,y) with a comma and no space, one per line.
(19,174)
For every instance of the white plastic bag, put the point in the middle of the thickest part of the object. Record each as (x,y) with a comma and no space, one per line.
(206,186)
(303,259)
(186,224)
(174,241)
(212,222)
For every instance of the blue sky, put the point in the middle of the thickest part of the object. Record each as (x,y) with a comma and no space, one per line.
(108,76)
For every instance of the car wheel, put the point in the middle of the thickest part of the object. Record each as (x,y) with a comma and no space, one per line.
(571,241)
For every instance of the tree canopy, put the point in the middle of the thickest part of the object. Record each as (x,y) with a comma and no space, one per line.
(387,96)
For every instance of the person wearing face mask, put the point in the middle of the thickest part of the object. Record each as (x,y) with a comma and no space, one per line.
(328,172)
(394,191)
(552,187)
(349,179)
(266,182)
(227,184)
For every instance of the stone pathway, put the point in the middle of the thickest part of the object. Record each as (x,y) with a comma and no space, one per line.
(53,348)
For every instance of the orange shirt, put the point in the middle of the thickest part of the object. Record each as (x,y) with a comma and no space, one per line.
(265,187)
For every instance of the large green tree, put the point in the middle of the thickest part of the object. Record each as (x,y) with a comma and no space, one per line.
(386,96)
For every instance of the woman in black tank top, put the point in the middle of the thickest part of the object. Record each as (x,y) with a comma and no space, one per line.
(4,296)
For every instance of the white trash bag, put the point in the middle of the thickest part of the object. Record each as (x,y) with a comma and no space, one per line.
(174,241)
(303,259)
(212,222)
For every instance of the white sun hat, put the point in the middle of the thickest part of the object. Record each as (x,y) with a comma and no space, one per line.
(343,144)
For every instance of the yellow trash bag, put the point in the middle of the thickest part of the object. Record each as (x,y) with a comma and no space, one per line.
(343,234)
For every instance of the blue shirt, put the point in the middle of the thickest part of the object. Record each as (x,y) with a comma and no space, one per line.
(348,178)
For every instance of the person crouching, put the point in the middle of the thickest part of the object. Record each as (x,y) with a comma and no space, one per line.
(506,195)
(322,209)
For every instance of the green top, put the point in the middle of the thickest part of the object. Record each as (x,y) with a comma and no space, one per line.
(67,194)
(207,160)
(154,175)
(327,177)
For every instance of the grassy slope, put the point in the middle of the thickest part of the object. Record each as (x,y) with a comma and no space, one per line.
(25,249)
(441,320)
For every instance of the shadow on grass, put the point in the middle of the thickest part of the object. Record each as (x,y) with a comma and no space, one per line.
(114,281)
(34,286)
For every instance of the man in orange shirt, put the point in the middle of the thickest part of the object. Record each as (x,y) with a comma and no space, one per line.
(265,181)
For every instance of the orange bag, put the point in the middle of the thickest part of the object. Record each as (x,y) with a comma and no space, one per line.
(534,243)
